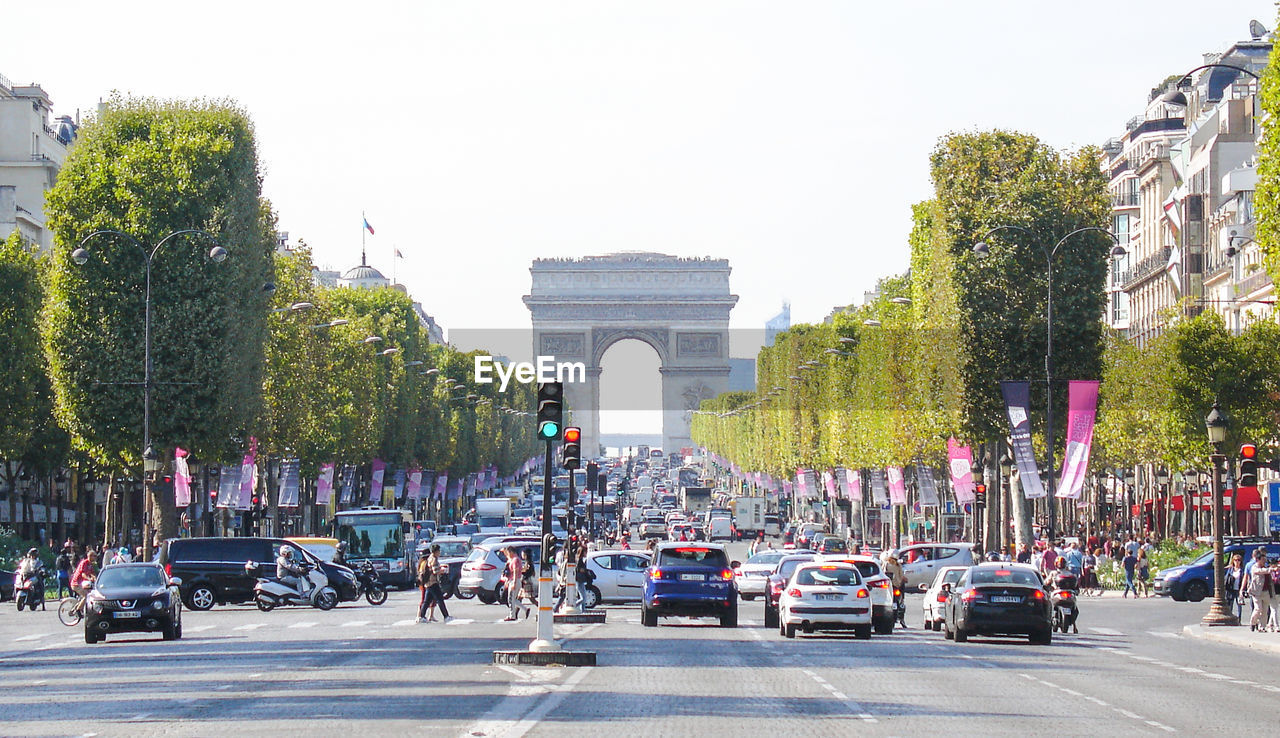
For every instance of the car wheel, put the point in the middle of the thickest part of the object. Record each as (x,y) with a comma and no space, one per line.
(201,597)
(789,630)
(592,600)
(730,618)
(770,617)
(91,638)
(946,631)
(1043,638)
(1197,590)
(169,633)
(488,598)
(648,618)
(961,635)
(862,632)
(177,631)
(885,626)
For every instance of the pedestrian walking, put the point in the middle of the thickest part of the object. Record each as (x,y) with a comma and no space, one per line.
(528,592)
(515,573)
(429,572)
(582,575)
(1144,573)
(62,565)
(1130,563)
(1233,578)
(1261,588)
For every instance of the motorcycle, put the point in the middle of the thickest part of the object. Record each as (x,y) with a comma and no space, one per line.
(900,606)
(1064,598)
(369,583)
(29,592)
(269,594)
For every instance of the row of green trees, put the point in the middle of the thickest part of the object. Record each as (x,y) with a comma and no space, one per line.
(886,383)
(246,348)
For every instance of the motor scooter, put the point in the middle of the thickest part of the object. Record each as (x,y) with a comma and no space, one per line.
(1065,600)
(369,583)
(29,591)
(269,593)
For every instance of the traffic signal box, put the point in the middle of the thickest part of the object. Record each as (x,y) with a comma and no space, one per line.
(1248,465)
(550,410)
(571,450)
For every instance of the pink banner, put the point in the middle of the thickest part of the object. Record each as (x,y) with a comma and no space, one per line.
(853,484)
(1082,409)
(829,481)
(961,460)
(414,486)
(181,478)
(248,475)
(375,482)
(324,484)
(897,486)
(442,483)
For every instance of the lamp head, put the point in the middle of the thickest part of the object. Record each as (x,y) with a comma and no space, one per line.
(218,254)
(80,256)
(981,249)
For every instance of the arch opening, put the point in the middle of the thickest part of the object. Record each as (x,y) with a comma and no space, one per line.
(630,395)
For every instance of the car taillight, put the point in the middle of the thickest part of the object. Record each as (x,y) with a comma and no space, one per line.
(1039,595)
(1064,594)
(863,593)
(726,574)
(897,592)
(486,567)
(970,596)
(942,597)
(168,570)
(656,573)
(775,586)
(883,584)
(793,592)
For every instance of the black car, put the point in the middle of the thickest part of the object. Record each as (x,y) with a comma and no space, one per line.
(999,599)
(6,585)
(133,598)
(213,573)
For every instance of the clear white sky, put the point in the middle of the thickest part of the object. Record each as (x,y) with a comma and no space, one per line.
(790,137)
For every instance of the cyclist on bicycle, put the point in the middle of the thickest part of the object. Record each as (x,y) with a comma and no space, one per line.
(83,577)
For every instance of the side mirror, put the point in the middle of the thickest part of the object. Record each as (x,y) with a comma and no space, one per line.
(735,564)
(923,588)
(946,587)
(175,582)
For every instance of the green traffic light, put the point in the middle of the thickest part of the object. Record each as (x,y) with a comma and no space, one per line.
(549,429)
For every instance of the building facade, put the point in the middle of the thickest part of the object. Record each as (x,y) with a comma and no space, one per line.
(32,151)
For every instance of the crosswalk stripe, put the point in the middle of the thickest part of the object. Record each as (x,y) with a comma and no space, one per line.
(399,623)
(1163,634)
(1106,631)
(198,628)
(304,624)
(32,637)
(354,623)
(249,626)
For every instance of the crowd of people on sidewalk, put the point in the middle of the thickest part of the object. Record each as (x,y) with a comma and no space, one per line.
(1259,582)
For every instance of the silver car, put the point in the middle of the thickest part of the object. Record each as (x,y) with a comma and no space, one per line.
(619,576)
(922,561)
(483,568)
(753,574)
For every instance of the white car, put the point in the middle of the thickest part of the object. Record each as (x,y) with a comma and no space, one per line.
(653,528)
(619,576)
(753,575)
(719,529)
(825,596)
(882,612)
(935,599)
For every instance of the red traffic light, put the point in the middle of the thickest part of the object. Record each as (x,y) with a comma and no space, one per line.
(1248,451)
(980,489)
(572,435)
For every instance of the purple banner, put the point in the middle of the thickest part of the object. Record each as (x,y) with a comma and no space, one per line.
(324,484)
(1017,398)
(375,481)
(897,485)
(1082,408)
(181,479)
(960,459)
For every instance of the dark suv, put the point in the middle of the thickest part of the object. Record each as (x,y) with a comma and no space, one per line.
(212,569)
(133,598)
(690,579)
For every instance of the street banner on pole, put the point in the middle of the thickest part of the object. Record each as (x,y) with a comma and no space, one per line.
(413,486)
(829,481)
(853,484)
(375,482)
(348,487)
(897,486)
(878,494)
(802,484)
(1082,409)
(181,478)
(324,484)
(289,481)
(926,485)
(442,483)
(1017,397)
(248,476)
(397,483)
(229,486)
(961,462)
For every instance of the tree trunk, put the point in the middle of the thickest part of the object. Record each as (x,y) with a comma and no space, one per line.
(163,516)
(1022,511)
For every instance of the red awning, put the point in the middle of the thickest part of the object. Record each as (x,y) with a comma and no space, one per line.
(1179,503)
(1248,498)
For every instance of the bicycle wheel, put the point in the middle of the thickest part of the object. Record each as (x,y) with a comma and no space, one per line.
(68,612)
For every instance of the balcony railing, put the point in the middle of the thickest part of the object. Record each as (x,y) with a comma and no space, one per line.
(1146,267)
(1124,200)
(1255,281)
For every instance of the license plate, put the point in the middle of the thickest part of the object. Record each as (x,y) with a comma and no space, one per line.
(1006,600)
(826,597)
(693,577)
(127,614)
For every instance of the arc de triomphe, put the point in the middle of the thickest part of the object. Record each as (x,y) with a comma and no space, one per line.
(679,306)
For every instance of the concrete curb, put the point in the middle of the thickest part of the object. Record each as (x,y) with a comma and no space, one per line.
(545,658)
(590,616)
(1236,636)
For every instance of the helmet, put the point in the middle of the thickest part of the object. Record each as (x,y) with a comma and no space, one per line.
(33,553)
(286,551)
(342,546)
(123,551)
(1060,562)
(993,556)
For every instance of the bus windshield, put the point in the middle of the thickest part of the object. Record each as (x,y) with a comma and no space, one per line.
(371,536)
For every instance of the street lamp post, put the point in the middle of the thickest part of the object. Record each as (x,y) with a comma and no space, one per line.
(1219,613)
(151,460)
(981,249)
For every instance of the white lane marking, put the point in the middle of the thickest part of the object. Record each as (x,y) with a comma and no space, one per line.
(354,623)
(509,718)
(305,624)
(198,628)
(139,716)
(400,623)
(1163,634)
(515,671)
(460,621)
(32,637)
(858,709)
(1128,714)
(249,626)
(1106,631)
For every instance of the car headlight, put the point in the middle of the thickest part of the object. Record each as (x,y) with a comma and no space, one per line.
(1169,576)
(158,605)
(397,565)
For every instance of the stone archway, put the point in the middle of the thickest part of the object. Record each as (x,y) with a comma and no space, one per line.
(678,306)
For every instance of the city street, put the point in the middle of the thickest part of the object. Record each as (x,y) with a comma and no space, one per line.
(359,669)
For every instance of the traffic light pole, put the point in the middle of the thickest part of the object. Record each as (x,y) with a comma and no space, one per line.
(571,554)
(545,641)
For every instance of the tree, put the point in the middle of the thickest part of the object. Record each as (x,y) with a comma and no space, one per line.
(1267,197)
(20,361)
(150,169)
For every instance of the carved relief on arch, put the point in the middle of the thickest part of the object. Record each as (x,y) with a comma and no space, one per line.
(603,338)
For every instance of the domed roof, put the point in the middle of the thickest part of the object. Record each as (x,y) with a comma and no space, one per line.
(364,271)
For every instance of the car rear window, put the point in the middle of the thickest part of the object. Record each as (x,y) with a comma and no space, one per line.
(838,576)
(1004,576)
(786,567)
(692,556)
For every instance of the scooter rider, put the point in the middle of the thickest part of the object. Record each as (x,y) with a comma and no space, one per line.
(289,572)
(29,567)
(340,555)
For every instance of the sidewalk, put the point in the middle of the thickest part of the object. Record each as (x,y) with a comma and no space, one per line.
(1236,635)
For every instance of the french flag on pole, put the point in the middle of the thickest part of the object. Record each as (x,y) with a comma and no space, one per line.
(367,227)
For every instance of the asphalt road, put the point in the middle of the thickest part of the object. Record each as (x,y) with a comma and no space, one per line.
(361,669)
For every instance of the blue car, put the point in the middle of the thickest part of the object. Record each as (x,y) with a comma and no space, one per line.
(690,579)
(1194,581)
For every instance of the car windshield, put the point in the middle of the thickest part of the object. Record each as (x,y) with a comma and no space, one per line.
(767,557)
(952,576)
(453,549)
(131,576)
(692,556)
(827,576)
(1004,576)
(786,567)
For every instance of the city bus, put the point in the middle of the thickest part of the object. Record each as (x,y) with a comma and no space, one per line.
(382,536)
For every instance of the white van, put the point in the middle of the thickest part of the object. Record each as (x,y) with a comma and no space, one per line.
(720,529)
